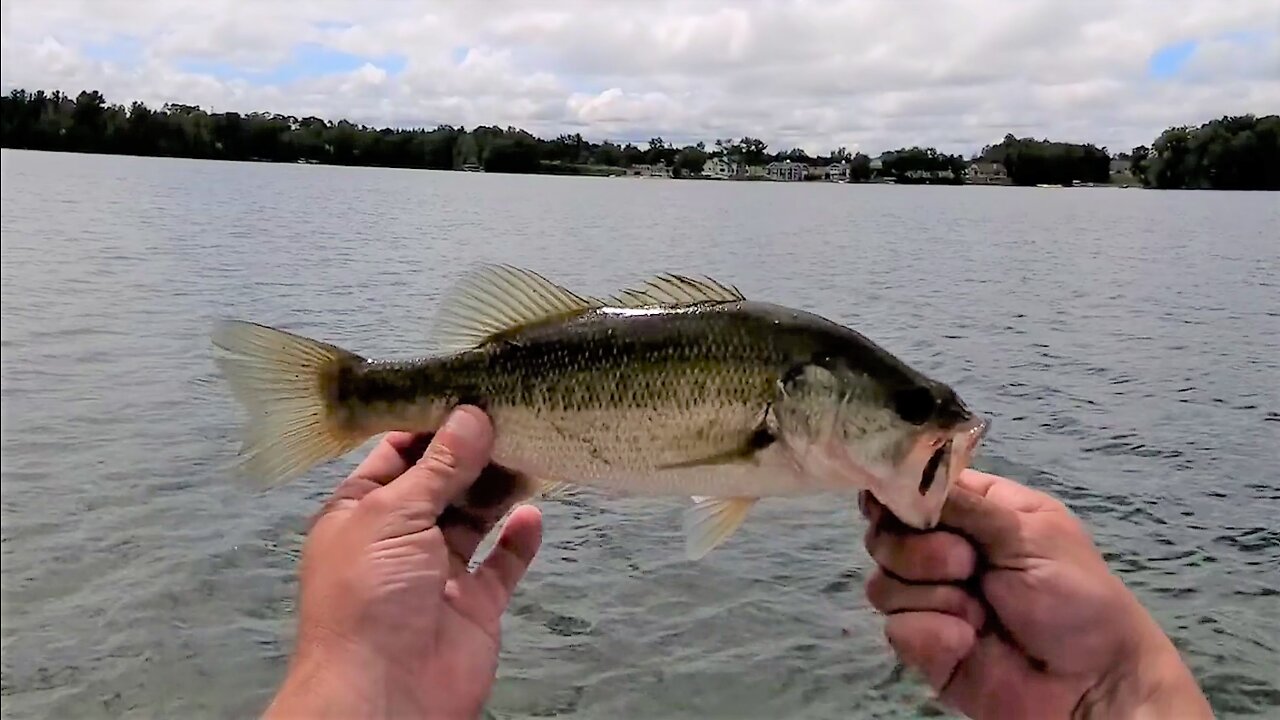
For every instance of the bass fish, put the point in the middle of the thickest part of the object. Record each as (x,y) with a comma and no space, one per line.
(676,386)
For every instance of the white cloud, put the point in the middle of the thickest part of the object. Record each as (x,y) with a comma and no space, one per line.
(870,75)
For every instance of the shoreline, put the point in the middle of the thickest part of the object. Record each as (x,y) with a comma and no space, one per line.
(550,169)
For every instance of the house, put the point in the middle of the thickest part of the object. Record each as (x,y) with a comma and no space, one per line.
(658,170)
(838,172)
(721,169)
(981,172)
(786,171)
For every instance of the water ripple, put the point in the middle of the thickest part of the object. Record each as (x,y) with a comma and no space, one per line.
(1128,364)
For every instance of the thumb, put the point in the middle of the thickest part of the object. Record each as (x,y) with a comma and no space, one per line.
(453,460)
(994,527)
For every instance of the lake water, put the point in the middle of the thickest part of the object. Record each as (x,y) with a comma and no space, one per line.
(1125,344)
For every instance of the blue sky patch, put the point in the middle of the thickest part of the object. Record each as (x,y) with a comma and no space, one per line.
(1246,37)
(1169,60)
(120,49)
(309,60)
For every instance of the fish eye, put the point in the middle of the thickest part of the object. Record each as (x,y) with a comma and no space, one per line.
(914,404)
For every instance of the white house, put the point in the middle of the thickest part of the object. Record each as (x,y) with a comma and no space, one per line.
(986,173)
(658,170)
(786,171)
(720,168)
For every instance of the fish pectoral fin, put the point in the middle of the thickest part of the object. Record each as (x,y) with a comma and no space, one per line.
(670,290)
(711,520)
(498,298)
(730,457)
(748,452)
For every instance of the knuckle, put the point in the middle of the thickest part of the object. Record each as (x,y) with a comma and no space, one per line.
(378,503)
(876,589)
(927,557)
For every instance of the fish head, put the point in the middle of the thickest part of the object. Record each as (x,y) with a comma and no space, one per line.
(905,440)
(915,478)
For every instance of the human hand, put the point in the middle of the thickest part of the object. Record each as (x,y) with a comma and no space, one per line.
(1009,611)
(391,621)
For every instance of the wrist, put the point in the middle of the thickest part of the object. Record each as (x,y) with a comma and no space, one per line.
(340,682)
(1149,682)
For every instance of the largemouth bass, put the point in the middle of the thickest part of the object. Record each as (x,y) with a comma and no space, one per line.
(677,386)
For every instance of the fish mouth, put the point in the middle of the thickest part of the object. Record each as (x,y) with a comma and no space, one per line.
(964,443)
(954,453)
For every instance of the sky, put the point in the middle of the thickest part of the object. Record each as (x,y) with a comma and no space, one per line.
(866,75)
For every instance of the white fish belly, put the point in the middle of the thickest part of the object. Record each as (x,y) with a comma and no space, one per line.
(630,451)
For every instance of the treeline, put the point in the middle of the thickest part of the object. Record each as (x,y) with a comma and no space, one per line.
(1041,162)
(1238,152)
(88,123)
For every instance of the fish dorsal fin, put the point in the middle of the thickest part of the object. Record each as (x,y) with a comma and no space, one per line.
(496,298)
(676,291)
(711,520)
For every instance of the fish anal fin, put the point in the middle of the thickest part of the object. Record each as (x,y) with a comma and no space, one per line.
(712,520)
(545,489)
(552,489)
(497,298)
(669,290)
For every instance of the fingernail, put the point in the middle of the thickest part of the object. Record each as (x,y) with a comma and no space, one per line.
(465,424)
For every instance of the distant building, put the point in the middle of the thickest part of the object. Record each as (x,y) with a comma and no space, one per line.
(982,172)
(658,170)
(786,171)
(838,172)
(721,168)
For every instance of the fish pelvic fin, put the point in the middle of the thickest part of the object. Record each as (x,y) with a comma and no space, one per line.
(669,290)
(712,520)
(284,382)
(498,298)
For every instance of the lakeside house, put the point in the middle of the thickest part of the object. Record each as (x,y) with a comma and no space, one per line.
(786,171)
(929,174)
(982,172)
(838,172)
(719,168)
(657,170)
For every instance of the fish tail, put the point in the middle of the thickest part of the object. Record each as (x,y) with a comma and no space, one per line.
(287,384)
